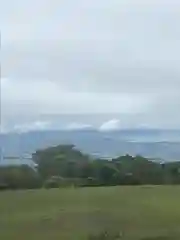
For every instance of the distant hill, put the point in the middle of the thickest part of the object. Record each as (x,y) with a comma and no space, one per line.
(153,143)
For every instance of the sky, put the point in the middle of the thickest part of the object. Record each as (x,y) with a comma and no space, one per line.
(89,63)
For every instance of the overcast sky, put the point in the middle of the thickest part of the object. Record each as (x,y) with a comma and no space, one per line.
(120,58)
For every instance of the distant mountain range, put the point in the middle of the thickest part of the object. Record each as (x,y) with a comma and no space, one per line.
(153,143)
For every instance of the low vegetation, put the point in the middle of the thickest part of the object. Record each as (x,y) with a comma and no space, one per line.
(127,212)
(95,199)
(64,166)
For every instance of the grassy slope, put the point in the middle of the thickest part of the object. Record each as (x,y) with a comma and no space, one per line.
(73,213)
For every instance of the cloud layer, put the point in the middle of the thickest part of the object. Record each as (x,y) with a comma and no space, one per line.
(91,57)
(111,125)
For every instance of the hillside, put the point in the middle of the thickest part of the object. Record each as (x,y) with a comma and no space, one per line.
(163,144)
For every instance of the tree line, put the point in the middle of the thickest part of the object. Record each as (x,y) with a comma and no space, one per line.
(64,165)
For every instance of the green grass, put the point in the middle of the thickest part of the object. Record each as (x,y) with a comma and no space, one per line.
(137,212)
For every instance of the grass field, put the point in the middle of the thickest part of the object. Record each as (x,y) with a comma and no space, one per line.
(138,212)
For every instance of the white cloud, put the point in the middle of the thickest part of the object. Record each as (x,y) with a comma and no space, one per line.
(78,126)
(31,126)
(3,129)
(46,97)
(115,57)
(111,125)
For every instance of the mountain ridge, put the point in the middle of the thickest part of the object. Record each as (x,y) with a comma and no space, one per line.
(154,143)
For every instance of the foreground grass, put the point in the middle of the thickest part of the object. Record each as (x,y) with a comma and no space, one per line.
(137,212)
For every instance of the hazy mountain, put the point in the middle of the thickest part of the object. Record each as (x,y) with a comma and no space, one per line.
(152,143)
